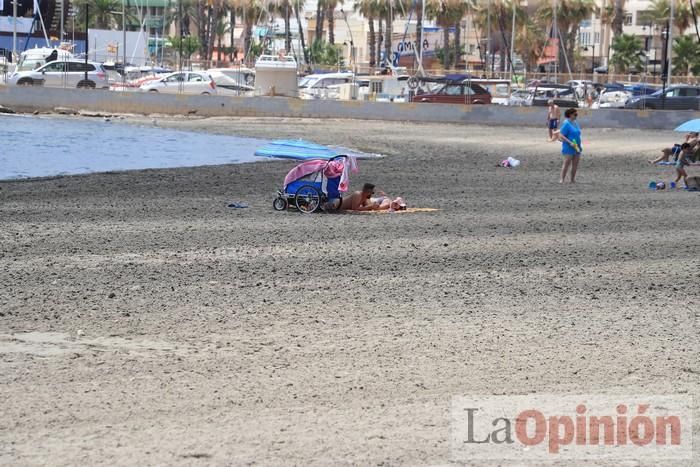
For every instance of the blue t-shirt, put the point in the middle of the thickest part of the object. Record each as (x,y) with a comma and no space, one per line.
(573,133)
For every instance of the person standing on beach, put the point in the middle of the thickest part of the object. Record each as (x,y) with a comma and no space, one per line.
(682,163)
(570,137)
(553,116)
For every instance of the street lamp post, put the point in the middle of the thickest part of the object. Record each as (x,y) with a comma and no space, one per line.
(665,68)
(647,41)
(592,46)
(656,59)
(14,31)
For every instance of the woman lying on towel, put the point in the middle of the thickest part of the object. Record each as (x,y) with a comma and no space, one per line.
(384,202)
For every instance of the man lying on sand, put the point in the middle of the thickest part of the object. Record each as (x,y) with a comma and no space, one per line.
(364,201)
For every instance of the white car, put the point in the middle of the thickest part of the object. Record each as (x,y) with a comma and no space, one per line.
(227,86)
(323,86)
(182,82)
(520,97)
(613,98)
(239,74)
(63,74)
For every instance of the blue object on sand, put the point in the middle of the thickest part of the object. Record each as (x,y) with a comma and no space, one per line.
(300,150)
(295,149)
(690,126)
(652,185)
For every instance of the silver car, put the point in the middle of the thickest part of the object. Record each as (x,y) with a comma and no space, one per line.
(63,74)
(183,82)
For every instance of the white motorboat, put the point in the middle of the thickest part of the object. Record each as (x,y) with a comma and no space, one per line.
(276,75)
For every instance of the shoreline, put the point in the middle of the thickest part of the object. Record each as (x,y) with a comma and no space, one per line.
(217,126)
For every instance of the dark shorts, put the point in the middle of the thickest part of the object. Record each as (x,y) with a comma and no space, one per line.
(553,123)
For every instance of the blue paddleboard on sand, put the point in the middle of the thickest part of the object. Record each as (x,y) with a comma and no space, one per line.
(301,150)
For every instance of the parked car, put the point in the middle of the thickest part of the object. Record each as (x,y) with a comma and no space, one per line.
(612,98)
(182,82)
(679,97)
(63,74)
(520,97)
(641,89)
(562,95)
(323,85)
(574,83)
(227,86)
(464,92)
(239,74)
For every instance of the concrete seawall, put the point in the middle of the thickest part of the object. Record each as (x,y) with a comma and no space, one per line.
(30,99)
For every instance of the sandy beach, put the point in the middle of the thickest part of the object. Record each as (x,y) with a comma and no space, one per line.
(144,322)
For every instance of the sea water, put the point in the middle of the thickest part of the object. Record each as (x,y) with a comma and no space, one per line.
(48,146)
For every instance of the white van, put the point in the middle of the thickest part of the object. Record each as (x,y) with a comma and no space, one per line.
(323,86)
(32,59)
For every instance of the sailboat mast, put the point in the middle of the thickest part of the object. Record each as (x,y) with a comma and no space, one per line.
(512,41)
(669,53)
(14,30)
(422,38)
(62,6)
(555,33)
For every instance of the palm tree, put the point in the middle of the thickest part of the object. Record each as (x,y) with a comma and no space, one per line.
(447,14)
(530,42)
(660,12)
(299,5)
(222,27)
(252,11)
(381,10)
(320,17)
(232,9)
(627,53)
(368,9)
(389,24)
(570,13)
(331,5)
(686,54)
(618,17)
(419,27)
(101,14)
(503,10)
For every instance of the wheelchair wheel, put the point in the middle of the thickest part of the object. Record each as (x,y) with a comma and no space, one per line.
(279,204)
(307,199)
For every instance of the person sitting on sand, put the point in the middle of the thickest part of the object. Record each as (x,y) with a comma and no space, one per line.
(359,200)
(364,201)
(692,138)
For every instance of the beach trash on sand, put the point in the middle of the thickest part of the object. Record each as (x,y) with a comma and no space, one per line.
(653,185)
(510,162)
